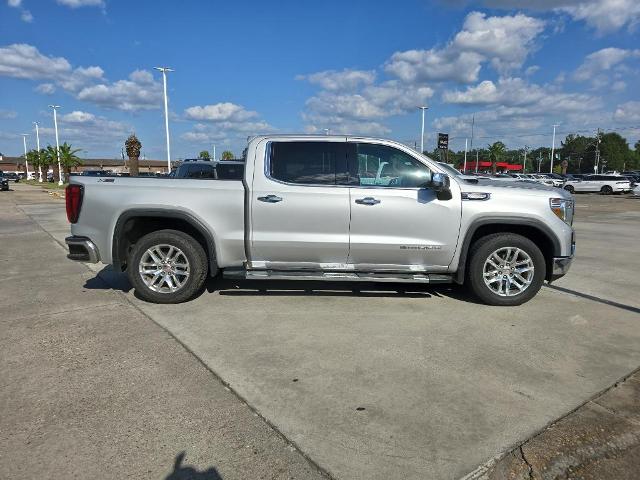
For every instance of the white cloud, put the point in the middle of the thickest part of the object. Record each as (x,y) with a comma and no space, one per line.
(596,63)
(81,3)
(25,61)
(628,112)
(605,16)
(226,123)
(504,41)
(515,96)
(7,113)
(26,16)
(86,131)
(14,3)
(139,92)
(340,80)
(46,88)
(219,112)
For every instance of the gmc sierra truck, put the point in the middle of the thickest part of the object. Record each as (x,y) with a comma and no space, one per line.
(329,208)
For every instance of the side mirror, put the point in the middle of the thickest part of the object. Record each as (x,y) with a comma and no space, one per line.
(439,182)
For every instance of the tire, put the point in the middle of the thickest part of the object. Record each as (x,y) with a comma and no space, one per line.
(524,249)
(179,275)
(606,190)
(570,189)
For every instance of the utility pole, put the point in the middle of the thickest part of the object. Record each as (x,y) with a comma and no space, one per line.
(164,71)
(539,160)
(423,108)
(477,160)
(26,163)
(214,153)
(38,147)
(524,165)
(553,146)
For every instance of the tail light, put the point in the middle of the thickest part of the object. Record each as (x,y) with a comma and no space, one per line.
(73,196)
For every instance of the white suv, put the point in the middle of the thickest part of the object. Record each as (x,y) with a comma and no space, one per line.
(605,184)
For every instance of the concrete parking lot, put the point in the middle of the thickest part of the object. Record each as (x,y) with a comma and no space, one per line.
(290,380)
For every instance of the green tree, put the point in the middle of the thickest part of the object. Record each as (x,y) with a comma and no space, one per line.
(227,155)
(33,157)
(204,155)
(51,158)
(133,146)
(496,152)
(615,153)
(69,159)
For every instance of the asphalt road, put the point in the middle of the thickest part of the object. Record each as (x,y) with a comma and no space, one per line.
(368,382)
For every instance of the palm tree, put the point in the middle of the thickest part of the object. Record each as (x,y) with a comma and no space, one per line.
(496,151)
(51,157)
(204,155)
(227,155)
(133,147)
(33,157)
(69,159)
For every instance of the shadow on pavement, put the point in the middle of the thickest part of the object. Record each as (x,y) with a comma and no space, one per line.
(182,472)
(107,279)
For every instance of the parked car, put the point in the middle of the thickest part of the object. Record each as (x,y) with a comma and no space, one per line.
(4,183)
(11,176)
(605,184)
(211,170)
(325,208)
(636,191)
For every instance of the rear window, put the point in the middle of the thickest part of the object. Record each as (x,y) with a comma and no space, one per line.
(311,163)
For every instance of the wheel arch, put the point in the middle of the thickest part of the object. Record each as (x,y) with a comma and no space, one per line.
(135,223)
(532,229)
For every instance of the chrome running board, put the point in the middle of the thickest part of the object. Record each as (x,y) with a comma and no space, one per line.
(241,274)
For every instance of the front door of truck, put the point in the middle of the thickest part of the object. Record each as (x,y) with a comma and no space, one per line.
(396,223)
(299,213)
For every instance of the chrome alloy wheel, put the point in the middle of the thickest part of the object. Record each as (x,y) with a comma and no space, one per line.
(508,271)
(164,268)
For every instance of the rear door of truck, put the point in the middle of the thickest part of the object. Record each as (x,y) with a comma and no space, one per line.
(299,215)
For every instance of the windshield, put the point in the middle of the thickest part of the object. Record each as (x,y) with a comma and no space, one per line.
(450,169)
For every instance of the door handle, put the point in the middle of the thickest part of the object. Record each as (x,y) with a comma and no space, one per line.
(270,199)
(367,201)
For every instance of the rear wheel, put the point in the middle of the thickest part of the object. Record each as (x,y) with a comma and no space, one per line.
(569,188)
(506,269)
(167,266)
(606,190)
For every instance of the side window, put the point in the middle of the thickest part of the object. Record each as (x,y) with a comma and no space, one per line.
(230,172)
(383,166)
(312,163)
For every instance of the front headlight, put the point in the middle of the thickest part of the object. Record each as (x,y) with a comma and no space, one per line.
(563,208)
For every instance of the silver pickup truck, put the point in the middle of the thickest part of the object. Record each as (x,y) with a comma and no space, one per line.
(330,208)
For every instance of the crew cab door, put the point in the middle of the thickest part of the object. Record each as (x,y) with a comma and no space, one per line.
(299,213)
(395,223)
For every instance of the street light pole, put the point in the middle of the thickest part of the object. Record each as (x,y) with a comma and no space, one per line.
(464,168)
(553,146)
(55,124)
(423,108)
(38,147)
(26,163)
(524,165)
(164,71)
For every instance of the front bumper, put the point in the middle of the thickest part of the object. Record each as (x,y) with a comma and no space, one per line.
(82,249)
(561,266)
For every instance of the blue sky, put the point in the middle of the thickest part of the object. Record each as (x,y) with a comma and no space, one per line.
(360,67)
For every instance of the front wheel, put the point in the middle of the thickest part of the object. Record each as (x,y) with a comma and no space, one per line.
(569,188)
(606,190)
(167,266)
(505,269)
